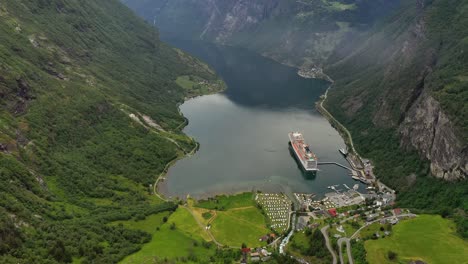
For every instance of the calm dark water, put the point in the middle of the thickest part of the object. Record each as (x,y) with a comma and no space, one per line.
(243,132)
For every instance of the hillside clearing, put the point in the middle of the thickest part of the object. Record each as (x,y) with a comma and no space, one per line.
(429,238)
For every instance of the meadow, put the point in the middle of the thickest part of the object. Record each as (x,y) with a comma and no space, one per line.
(225,202)
(429,238)
(242,225)
(180,238)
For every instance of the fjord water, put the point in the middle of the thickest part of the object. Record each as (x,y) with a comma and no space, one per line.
(243,132)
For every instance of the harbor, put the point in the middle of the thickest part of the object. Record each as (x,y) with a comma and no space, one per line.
(359,170)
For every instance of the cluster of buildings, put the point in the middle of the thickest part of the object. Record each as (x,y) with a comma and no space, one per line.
(348,198)
(255,255)
(332,200)
(277,208)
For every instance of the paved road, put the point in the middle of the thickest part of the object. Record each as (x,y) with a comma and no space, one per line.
(293,229)
(348,240)
(348,250)
(324,231)
(166,168)
(385,218)
(338,122)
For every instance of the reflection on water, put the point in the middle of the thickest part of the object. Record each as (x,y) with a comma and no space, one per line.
(243,132)
(255,81)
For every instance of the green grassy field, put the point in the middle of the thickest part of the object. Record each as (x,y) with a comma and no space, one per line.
(237,226)
(223,202)
(188,242)
(185,82)
(184,242)
(194,85)
(369,231)
(148,225)
(299,239)
(429,238)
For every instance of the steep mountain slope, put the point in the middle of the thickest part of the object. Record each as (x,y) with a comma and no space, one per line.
(299,33)
(403,94)
(409,76)
(88,120)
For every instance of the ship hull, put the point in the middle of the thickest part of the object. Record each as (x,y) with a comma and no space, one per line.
(297,149)
(308,175)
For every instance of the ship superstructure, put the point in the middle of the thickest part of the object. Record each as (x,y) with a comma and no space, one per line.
(302,151)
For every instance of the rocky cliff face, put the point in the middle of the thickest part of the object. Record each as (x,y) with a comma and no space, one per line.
(423,124)
(401,78)
(427,128)
(234,17)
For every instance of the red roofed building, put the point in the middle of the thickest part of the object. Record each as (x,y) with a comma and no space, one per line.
(397,211)
(332,212)
(245,250)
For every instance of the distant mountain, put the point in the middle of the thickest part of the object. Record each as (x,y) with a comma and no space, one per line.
(88,121)
(299,33)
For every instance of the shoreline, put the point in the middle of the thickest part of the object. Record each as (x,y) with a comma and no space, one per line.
(342,130)
(162,175)
(180,127)
(348,139)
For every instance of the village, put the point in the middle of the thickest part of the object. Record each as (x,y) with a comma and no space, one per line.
(341,213)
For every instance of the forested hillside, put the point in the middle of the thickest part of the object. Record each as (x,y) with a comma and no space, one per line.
(88,120)
(403,93)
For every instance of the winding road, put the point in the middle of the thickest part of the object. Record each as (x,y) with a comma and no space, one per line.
(337,122)
(324,231)
(348,250)
(385,218)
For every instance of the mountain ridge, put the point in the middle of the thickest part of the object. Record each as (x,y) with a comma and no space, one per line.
(89,120)
(299,33)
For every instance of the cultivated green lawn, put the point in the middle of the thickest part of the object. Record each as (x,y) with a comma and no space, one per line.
(171,244)
(237,226)
(223,202)
(429,238)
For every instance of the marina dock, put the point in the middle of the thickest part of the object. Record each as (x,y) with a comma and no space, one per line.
(334,163)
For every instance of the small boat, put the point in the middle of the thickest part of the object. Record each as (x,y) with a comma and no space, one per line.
(344,152)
